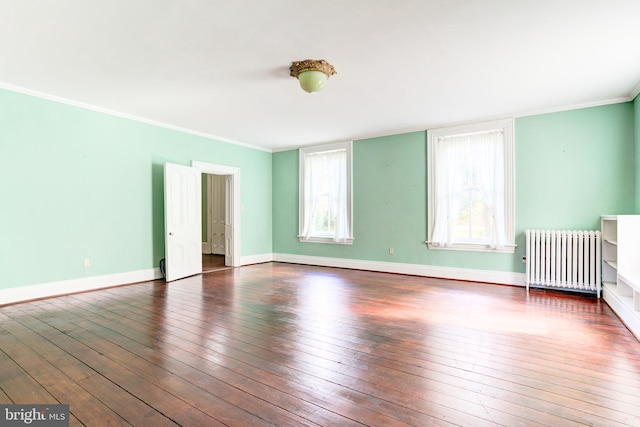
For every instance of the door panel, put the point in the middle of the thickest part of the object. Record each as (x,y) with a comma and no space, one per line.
(228,220)
(183,221)
(217,213)
(232,218)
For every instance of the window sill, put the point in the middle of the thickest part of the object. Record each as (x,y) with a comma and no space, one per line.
(328,240)
(469,247)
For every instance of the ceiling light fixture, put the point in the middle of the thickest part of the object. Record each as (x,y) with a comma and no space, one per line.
(312,73)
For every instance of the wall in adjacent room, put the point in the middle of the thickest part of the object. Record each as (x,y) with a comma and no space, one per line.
(571,167)
(78,184)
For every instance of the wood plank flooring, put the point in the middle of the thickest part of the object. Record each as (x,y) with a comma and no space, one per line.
(287,345)
(212,262)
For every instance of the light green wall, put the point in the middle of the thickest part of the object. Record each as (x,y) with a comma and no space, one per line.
(80,184)
(571,167)
(579,163)
(636,104)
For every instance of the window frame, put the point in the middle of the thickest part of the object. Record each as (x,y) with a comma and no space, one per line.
(507,127)
(303,152)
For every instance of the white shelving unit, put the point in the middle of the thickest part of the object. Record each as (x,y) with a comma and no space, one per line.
(621,267)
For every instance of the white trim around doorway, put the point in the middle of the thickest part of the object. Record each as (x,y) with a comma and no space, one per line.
(234,173)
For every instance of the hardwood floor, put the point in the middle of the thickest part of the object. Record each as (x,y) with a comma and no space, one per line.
(212,262)
(287,345)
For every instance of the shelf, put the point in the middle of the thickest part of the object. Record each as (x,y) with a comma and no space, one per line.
(627,301)
(620,272)
(613,264)
(631,281)
(623,307)
(609,286)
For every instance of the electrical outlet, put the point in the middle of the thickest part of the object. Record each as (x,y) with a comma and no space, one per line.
(390,251)
(86,262)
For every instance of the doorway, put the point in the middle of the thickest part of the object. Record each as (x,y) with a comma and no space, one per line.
(231,178)
(214,222)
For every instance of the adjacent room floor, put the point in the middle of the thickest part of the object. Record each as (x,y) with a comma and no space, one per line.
(211,262)
(287,345)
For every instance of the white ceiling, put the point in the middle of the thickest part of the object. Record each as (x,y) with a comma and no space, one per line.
(221,68)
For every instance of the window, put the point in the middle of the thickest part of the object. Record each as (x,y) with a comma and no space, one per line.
(471,187)
(325,194)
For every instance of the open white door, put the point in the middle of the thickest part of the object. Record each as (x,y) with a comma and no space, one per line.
(182,221)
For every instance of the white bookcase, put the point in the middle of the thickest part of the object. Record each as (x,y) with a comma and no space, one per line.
(621,267)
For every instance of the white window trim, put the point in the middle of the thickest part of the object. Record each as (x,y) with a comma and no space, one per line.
(507,127)
(348,145)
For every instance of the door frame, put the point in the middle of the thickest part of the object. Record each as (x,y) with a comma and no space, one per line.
(234,207)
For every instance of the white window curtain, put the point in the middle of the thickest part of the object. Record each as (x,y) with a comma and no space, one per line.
(326,174)
(484,154)
(487,154)
(447,152)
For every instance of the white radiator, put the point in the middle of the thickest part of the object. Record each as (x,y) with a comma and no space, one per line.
(564,259)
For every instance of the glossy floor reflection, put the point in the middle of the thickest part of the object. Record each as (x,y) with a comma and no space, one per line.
(288,345)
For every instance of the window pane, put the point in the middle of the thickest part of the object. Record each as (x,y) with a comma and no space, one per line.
(325,200)
(324,217)
(462,222)
(470,187)
(476,218)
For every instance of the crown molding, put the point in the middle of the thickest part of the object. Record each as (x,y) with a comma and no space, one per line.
(525,113)
(550,110)
(66,101)
(634,93)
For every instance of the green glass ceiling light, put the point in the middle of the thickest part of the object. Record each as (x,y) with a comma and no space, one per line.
(312,73)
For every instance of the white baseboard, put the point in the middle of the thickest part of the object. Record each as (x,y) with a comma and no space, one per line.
(44,290)
(256,259)
(489,276)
